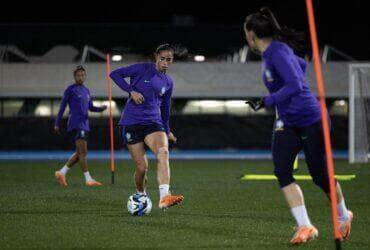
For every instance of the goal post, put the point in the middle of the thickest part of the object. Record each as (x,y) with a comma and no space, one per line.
(359,112)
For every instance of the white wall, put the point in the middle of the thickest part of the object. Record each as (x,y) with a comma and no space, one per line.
(191,79)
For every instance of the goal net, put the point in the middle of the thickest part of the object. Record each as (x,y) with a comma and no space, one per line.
(359,113)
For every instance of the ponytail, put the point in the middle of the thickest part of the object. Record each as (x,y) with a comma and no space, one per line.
(265,25)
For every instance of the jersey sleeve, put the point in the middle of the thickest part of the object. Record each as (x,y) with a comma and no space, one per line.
(285,68)
(94,108)
(119,75)
(166,108)
(62,106)
(302,63)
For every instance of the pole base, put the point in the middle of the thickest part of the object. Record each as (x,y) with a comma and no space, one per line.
(338,244)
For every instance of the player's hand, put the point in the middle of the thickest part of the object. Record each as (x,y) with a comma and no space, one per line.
(172,138)
(137,97)
(57,130)
(256,105)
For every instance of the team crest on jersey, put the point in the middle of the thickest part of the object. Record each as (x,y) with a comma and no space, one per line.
(163,90)
(268,76)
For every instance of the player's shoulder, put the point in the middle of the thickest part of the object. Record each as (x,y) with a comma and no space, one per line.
(278,51)
(282,49)
(70,87)
(170,80)
(143,65)
(85,87)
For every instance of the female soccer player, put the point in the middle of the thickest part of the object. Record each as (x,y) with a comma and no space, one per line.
(145,119)
(77,95)
(300,127)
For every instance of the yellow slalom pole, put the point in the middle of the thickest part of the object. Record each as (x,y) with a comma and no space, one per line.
(295,164)
(268,177)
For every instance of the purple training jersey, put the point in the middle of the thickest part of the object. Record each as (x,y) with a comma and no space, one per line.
(78,98)
(284,77)
(155,86)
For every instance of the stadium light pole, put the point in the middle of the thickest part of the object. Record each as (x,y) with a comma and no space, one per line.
(111,132)
(325,121)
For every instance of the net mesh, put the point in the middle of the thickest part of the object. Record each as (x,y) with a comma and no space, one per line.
(359,113)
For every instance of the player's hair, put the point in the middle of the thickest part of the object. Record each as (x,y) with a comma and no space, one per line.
(78,68)
(265,25)
(164,47)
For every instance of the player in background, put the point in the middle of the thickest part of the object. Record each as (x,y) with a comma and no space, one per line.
(78,98)
(145,119)
(300,127)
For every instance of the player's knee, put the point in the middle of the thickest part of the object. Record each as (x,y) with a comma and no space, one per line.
(322,181)
(284,178)
(141,166)
(82,153)
(163,155)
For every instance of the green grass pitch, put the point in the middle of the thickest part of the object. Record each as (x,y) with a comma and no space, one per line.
(220,211)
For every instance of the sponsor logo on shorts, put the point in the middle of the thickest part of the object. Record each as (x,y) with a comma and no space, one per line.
(128,137)
(268,75)
(146,81)
(82,133)
(279,125)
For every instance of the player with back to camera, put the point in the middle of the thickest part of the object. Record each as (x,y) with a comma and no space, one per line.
(78,98)
(300,127)
(145,119)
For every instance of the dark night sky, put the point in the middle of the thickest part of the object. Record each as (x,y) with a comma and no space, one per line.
(342,24)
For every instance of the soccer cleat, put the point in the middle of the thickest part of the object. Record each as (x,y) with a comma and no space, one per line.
(93,183)
(304,234)
(170,200)
(59,177)
(345,226)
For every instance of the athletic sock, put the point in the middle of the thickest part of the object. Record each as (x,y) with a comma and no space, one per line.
(164,190)
(64,170)
(88,176)
(301,216)
(342,211)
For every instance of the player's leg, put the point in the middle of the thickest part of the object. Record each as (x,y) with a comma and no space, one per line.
(313,147)
(285,146)
(70,163)
(72,160)
(81,149)
(158,144)
(345,215)
(60,175)
(137,152)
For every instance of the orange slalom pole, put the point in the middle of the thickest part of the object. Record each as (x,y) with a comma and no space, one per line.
(325,121)
(111,132)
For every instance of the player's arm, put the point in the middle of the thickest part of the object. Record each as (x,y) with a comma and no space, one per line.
(62,108)
(165,113)
(119,75)
(96,108)
(302,63)
(292,84)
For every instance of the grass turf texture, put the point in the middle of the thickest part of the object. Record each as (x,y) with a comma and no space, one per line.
(219,211)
